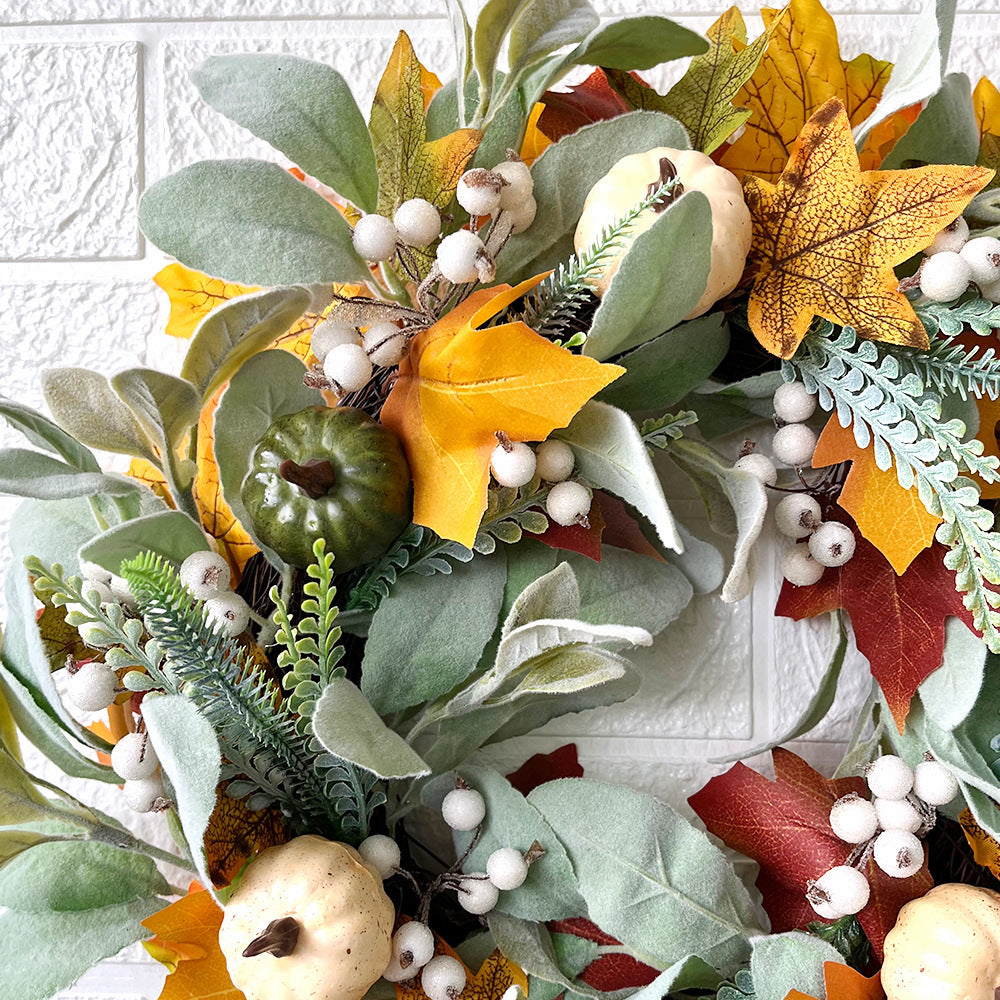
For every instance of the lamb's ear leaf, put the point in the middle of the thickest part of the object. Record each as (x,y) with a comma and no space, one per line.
(45,434)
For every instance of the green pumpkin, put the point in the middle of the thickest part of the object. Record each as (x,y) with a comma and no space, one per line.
(332,473)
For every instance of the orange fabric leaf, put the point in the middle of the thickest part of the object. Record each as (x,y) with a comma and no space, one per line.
(985,850)
(800,71)
(827,236)
(844,983)
(187,942)
(193,296)
(535,141)
(460,385)
(894,520)
(495,976)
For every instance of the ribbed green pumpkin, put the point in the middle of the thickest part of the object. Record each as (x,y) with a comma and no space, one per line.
(332,473)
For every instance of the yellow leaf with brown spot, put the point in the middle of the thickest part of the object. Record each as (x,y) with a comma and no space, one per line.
(187,941)
(460,385)
(827,236)
(986,103)
(193,295)
(800,71)
(535,141)
(408,165)
(894,520)
(495,976)
(149,474)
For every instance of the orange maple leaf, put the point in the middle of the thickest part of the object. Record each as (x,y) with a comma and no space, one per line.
(894,520)
(799,72)
(187,942)
(460,385)
(535,141)
(844,983)
(827,236)
(495,976)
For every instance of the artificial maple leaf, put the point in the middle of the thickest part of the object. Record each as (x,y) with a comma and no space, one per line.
(985,850)
(535,141)
(610,972)
(409,166)
(702,100)
(784,825)
(844,983)
(187,942)
(562,762)
(193,295)
(898,621)
(460,384)
(986,104)
(584,539)
(894,520)
(827,236)
(799,72)
(495,976)
(594,100)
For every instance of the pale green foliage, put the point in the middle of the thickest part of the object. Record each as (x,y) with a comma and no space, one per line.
(657,432)
(952,318)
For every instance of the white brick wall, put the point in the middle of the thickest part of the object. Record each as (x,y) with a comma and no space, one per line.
(95,103)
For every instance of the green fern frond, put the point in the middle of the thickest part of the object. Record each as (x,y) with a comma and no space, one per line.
(658,432)
(949,319)
(950,368)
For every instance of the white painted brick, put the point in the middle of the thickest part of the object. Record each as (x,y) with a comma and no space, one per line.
(69,113)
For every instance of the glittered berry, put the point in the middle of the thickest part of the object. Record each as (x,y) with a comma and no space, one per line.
(381,853)
(329,334)
(568,502)
(952,237)
(853,819)
(797,515)
(889,777)
(385,344)
(519,184)
(799,568)
(512,464)
(759,466)
(461,257)
(507,868)
(133,757)
(477,894)
(794,445)
(92,686)
(982,254)
(898,853)
(348,367)
(832,544)
(793,403)
(205,574)
(463,809)
(898,814)
(418,222)
(554,460)
(413,946)
(375,237)
(840,891)
(443,978)
(228,613)
(144,795)
(944,276)
(478,191)
(934,783)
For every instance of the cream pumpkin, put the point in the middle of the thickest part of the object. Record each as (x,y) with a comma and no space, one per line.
(628,181)
(315,919)
(945,946)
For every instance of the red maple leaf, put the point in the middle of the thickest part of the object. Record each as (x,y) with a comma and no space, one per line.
(562,762)
(784,825)
(594,100)
(577,537)
(898,621)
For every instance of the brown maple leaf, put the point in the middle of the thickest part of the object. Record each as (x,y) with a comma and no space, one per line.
(594,100)
(784,825)
(827,236)
(898,621)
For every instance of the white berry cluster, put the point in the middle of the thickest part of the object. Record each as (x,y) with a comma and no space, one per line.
(953,262)
(515,463)
(887,828)
(134,760)
(206,576)
(348,356)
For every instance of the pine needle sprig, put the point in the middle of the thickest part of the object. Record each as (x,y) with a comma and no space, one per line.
(949,368)
(891,409)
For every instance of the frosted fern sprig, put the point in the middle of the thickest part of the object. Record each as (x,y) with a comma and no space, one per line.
(890,409)
(950,368)
(658,432)
(949,319)
(550,307)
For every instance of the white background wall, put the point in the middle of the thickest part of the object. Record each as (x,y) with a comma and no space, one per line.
(95,103)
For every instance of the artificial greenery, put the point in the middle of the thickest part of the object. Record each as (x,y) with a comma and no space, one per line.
(950,319)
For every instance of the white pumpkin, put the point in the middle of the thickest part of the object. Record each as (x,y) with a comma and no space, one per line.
(317,922)
(628,181)
(945,946)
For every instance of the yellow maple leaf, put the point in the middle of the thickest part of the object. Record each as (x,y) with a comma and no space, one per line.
(187,942)
(535,141)
(800,71)
(495,976)
(193,295)
(460,385)
(827,236)
(894,520)
(986,103)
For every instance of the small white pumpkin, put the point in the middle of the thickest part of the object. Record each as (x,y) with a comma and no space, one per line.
(315,920)
(945,946)
(628,181)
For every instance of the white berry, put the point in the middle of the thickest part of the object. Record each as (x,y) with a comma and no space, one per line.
(793,403)
(799,568)
(507,868)
(889,777)
(463,809)
(794,445)
(205,574)
(521,217)
(519,184)
(228,613)
(797,515)
(952,237)
(443,978)
(93,686)
(514,465)
(413,945)
(329,334)
(832,544)
(983,257)
(418,222)
(375,237)
(478,191)
(395,973)
(898,853)
(934,783)
(944,276)
(554,460)
(477,894)
(92,571)
(122,591)
(898,814)
(133,757)
(853,819)
(458,255)
(568,502)
(348,366)
(142,795)
(385,344)
(759,466)
(846,889)
(381,853)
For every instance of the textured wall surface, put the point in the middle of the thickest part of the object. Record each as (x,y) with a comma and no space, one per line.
(95,103)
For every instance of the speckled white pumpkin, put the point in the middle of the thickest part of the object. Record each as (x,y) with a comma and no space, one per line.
(627,182)
(345,923)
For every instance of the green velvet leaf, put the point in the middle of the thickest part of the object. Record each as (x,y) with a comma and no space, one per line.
(169,533)
(950,693)
(543,26)
(166,407)
(33,474)
(794,960)
(45,434)
(638,43)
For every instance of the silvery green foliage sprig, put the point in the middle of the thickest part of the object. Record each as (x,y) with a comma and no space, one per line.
(950,319)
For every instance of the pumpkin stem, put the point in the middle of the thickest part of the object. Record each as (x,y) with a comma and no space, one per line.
(279,939)
(314,478)
(668,173)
